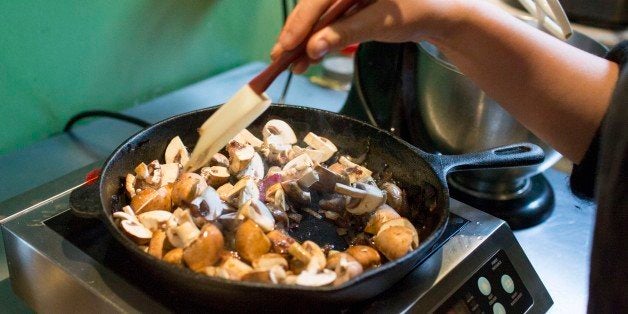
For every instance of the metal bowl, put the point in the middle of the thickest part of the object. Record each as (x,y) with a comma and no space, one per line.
(460,118)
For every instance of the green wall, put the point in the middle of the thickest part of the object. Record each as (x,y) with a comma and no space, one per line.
(60,57)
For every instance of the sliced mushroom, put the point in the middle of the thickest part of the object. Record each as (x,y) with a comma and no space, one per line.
(181,215)
(310,279)
(219,272)
(367,256)
(394,242)
(296,266)
(129,185)
(156,219)
(317,257)
(334,259)
(269,260)
(295,193)
(279,200)
(136,231)
(249,192)
(219,160)
(208,204)
(156,246)
(257,211)
(279,128)
(176,152)
(308,178)
(141,171)
(276,152)
(355,172)
(247,137)
(316,155)
(169,173)
(254,169)
(273,171)
(298,164)
(383,214)
(188,187)
(327,179)
(299,253)
(174,256)
(183,235)
(239,156)
(321,144)
(224,191)
(370,197)
(333,202)
(404,223)
(236,268)
(205,251)
(257,276)
(251,242)
(215,176)
(230,221)
(154,170)
(127,213)
(150,199)
(280,241)
(277,274)
(345,266)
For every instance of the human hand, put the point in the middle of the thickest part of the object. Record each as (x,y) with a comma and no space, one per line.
(381,20)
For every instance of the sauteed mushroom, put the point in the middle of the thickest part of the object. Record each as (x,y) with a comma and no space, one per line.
(239,231)
(251,242)
(176,152)
(150,199)
(205,251)
(188,187)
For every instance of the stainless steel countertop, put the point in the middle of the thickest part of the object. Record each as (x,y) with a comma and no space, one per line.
(559,249)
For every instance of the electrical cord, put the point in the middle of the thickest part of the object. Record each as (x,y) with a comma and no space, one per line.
(104,113)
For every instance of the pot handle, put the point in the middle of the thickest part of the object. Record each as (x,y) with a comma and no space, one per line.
(85,201)
(520,154)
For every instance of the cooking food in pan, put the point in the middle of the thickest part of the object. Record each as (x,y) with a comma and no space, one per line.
(421,177)
(232,219)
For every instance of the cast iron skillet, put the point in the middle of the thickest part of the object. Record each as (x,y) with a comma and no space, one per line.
(420,173)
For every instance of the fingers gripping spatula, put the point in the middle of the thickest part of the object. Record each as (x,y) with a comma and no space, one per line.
(251,100)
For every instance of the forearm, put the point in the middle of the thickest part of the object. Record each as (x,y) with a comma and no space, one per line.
(557,91)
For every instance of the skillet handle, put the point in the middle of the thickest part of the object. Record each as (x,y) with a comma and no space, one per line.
(85,201)
(521,154)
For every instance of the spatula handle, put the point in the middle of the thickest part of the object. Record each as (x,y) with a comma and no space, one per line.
(261,82)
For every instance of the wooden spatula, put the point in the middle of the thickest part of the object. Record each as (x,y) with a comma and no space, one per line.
(251,101)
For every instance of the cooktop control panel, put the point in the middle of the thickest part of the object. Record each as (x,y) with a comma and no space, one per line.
(494,288)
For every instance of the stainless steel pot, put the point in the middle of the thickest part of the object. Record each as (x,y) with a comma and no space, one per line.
(602,13)
(460,118)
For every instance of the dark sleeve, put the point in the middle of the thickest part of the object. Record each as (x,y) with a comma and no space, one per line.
(583,175)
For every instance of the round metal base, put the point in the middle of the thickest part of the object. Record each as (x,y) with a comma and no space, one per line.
(529,209)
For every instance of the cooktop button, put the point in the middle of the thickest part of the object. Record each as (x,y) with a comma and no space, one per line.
(508,284)
(484,286)
(498,308)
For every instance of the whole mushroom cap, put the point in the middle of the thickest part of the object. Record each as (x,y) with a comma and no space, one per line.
(367,256)
(394,242)
(382,214)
